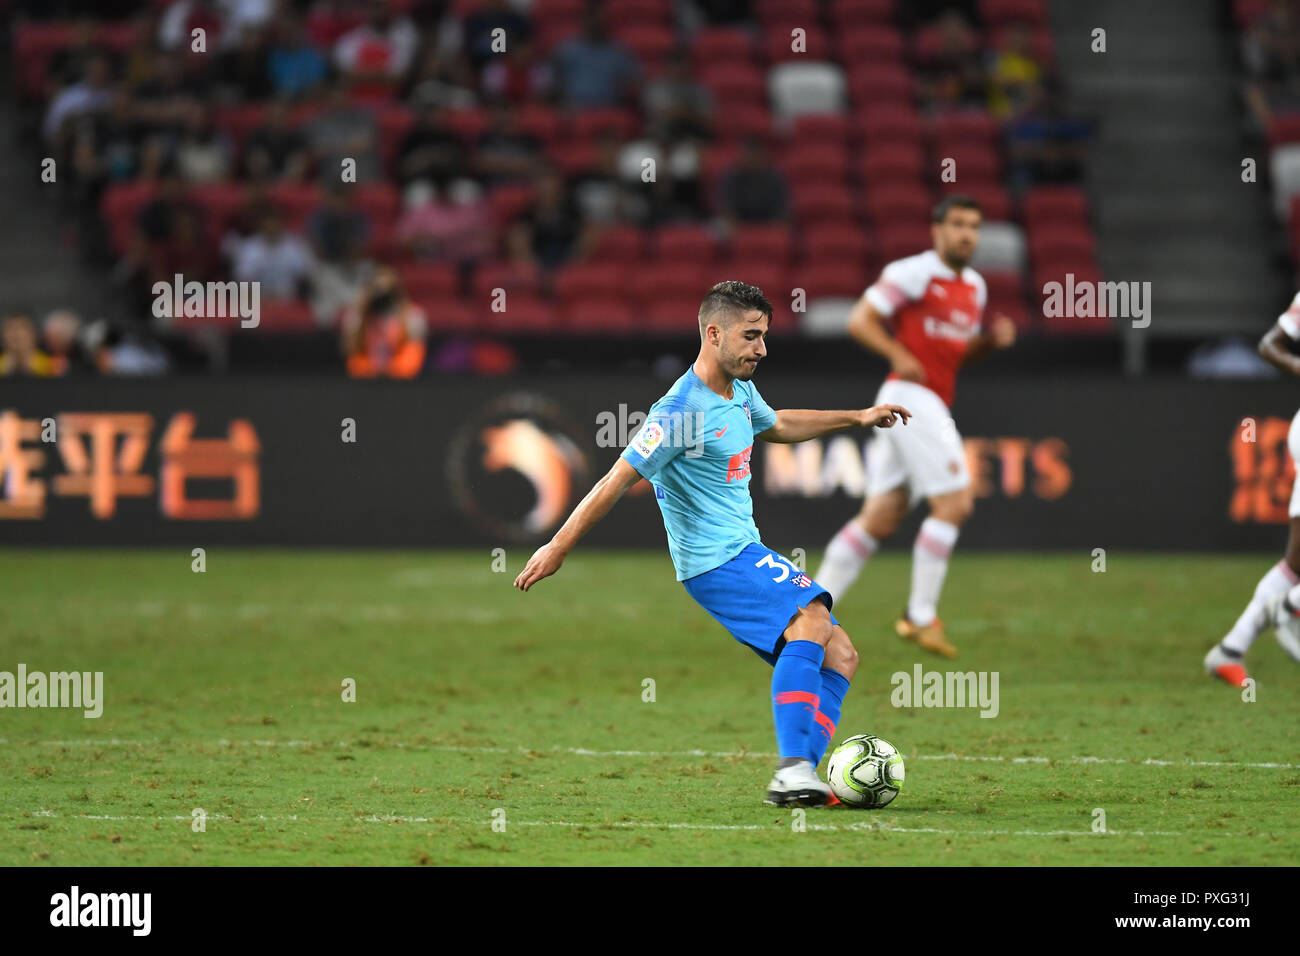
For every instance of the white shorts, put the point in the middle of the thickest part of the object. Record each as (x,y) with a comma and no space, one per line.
(1293,446)
(925,455)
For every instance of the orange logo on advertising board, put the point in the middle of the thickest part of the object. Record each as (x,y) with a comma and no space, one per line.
(1263,472)
(103,453)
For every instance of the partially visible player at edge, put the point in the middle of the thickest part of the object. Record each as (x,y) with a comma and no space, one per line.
(695,448)
(1277,596)
(936,302)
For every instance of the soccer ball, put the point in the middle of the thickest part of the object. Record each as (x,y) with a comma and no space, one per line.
(865,771)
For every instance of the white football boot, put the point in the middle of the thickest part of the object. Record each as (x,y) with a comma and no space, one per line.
(1287,624)
(798,785)
(1225,667)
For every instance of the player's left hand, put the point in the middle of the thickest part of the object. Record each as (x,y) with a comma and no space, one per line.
(1003,332)
(545,561)
(884,416)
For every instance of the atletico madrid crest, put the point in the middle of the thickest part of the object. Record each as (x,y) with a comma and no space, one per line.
(802,581)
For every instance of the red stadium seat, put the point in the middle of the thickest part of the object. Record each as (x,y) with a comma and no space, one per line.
(821,128)
(835,279)
(395,121)
(718,44)
(1062,243)
(588,124)
(973,161)
(964,126)
(619,244)
(734,81)
(823,202)
(1004,287)
(899,203)
(509,276)
(469,125)
(574,156)
(580,281)
(782,10)
(1001,12)
(1041,46)
(836,242)
(1284,128)
(904,238)
(850,13)
(286,315)
(671,316)
(650,43)
(1013,309)
(887,124)
(597,317)
(772,277)
(880,83)
(682,243)
(891,162)
(510,201)
(860,43)
(524,313)
(739,121)
(813,160)
(1054,204)
(448,315)
(1248,11)
(429,279)
(992,196)
(296,200)
(540,120)
(927,44)
(673,280)
(772,243)
(780,43)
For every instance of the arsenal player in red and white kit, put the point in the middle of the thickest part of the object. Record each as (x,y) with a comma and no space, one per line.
(935,302)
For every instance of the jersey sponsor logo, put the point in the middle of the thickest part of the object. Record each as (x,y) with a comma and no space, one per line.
(747,415)
(738,465)
(648,439)
(939,329)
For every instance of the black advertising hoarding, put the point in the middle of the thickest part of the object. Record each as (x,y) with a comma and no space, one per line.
(1059,464)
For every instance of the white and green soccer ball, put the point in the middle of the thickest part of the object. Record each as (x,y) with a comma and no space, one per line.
(865,771)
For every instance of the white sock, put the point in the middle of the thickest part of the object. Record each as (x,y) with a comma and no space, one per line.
(934,544)
(847,552)
(1253,620)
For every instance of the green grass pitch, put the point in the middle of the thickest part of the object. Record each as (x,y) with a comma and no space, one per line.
(223,692)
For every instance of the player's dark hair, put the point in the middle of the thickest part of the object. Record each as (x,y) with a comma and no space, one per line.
(735,298)
(954,201)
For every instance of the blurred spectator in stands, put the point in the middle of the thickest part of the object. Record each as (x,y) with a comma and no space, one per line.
(1015,75)
(276,149)
(504,154)
(603,195)
(274,257)
(169,238)
(593,70)
(1044,143)
(338,233)
(383,331)
(455,227)
(106,149)
(94,91)
(139,60)
(118,351)
(677,106)
(69,64)
(245,220)
(204,153)
(753,190)
(954,77)
(328,20)
(182,18)
(375,55)
(550,232)
(674,195)
(19,354)
(517,76)
(59,337)
(163,103)
(442,78)
(344,130)
(430,151)
(296,68)
(478,39)
(1271,51)
(242,72)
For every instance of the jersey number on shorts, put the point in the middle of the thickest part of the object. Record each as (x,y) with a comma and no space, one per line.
(770,560)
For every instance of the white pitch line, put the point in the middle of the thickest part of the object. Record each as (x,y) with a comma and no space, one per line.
(721,754)
(641,825)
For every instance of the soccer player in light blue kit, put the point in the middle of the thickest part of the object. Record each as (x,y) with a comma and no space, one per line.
(695,448)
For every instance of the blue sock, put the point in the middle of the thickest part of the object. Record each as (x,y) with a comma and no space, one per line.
(796,685)
(834,686)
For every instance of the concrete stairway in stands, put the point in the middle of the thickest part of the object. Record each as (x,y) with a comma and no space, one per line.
(1164,171)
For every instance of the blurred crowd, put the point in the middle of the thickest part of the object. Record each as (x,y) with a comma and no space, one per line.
(149,113)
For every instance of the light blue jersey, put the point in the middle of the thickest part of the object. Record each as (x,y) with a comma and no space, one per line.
(694,448)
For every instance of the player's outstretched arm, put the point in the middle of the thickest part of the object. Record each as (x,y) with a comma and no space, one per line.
(547,559)
(867,326)
(1274,349)
(800,424)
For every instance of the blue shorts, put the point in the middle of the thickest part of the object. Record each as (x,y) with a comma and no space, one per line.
(754,596)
